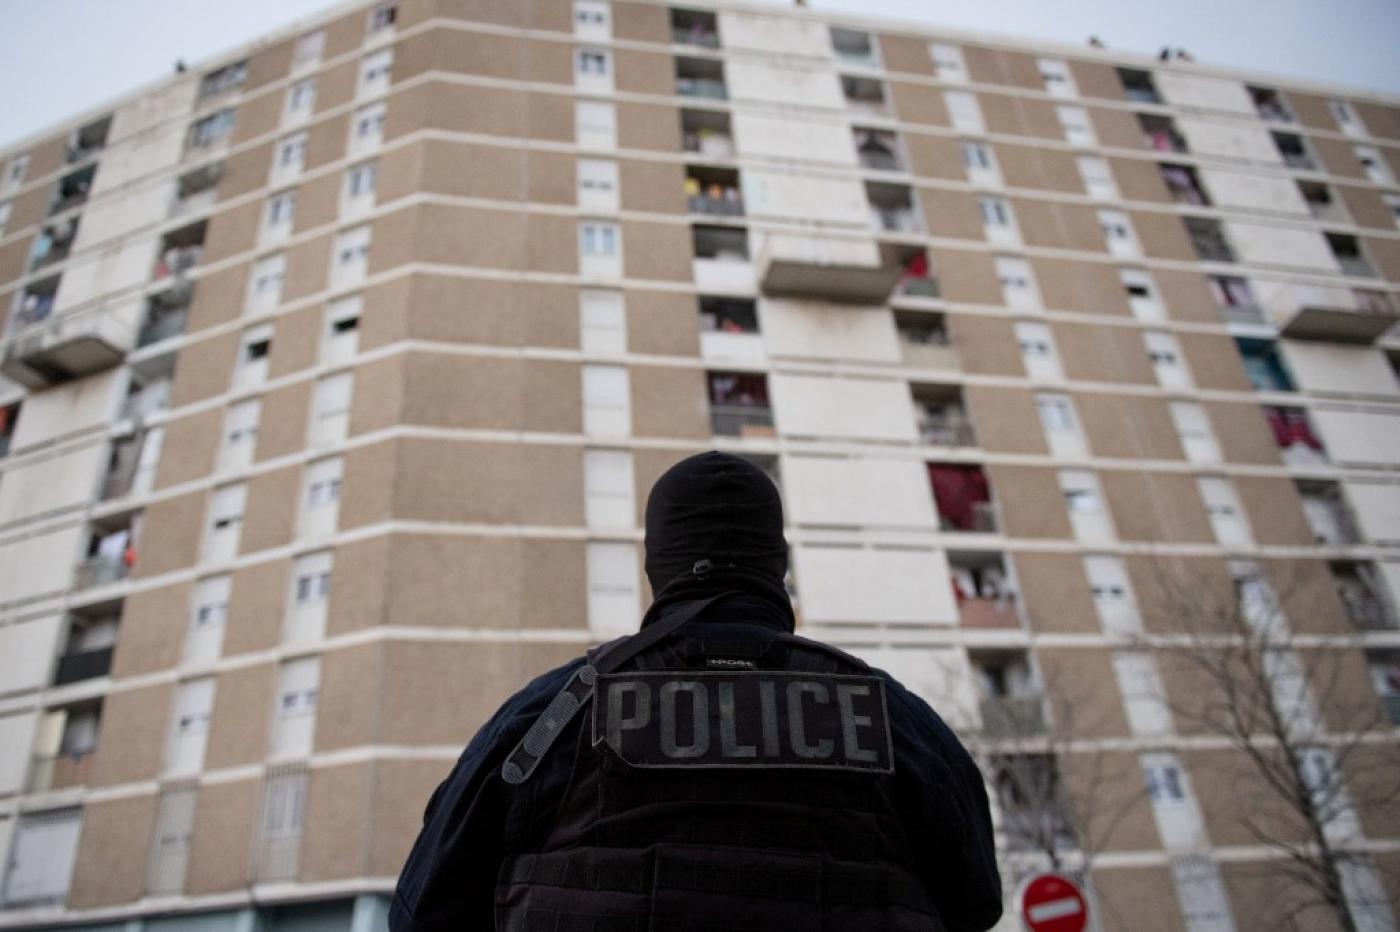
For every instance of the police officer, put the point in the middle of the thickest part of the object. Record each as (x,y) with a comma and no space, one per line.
(713,771)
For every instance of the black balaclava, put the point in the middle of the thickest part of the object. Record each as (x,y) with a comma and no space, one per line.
(719,508)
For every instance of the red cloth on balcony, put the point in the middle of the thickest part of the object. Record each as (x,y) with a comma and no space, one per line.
(956,489)
(1290,426)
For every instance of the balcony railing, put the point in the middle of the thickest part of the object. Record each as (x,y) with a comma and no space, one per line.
(1243,314)
(880,161)
(947,433)
(1391,701)
(1369,613)
(741,421)
(59,771)
(990,613)
(701,87)
(701,37)
(61,346)
(100,571)
(163,328)
(83,665)
(1012,716)
(984,520)
(716,206)
(1339,527)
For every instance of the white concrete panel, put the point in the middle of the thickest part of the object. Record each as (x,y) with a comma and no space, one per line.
(828,331)
(1377,509)
(1337,367)
(1193,90)
(940,676)
(1253,191)
(68,408)
(17,738)
(171,102)
(851,584)
(807,87)
(107,270)
(892,493)
(51,483)
(27,650)
(782,35)
(805,198)
(1359,436)
(1281,300)
(122,214)
(139,157)
(769,135)
(1284,246)
(1234,139)
(857,409)
(40,565)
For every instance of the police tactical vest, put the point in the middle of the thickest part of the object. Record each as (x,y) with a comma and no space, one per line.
(716,787)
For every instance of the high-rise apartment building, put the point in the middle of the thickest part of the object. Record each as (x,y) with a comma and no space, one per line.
(337,371)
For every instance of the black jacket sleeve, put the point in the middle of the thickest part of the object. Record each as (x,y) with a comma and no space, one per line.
(943,796)
(449,879)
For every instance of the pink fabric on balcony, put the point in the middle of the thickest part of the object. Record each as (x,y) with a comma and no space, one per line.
(956,489)
(1290,426)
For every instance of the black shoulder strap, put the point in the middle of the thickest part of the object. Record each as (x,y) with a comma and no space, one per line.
(522,761)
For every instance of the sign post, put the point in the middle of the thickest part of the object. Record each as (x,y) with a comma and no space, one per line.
(1052,903)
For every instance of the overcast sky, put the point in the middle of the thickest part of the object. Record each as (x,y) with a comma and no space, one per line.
(65,56)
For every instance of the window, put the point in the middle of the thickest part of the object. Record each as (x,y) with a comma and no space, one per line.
(1373,165)
(1075,121)
(294,719)
(1223,509)
(281,209)
(253,357)
(228,78)
(595,124)
(308,49)
(1038,351)
(375,71)
(301,99)
(1165,354)
(593,70)
(266,289)
(1193,429)
(609,486)
(597,185)
(279,831)
(1346,117)
(1061,428)
(204,636)
(189,727)
(226,509)
(614,590)
(1144,699)
(240,434)
(592,19)
(1085,506)
(1142,299)
(1118,233)
(16,170)
(210,130)
(1178,821)
(320,502)
(600,250)
(1098,180)
(980,163)
(1201,893)
(290,158)
(1058,81)
(342,334)
(964,111)
(948,62)
(309,597)
(350,258)
(42,856)
(330,410)
(607,402)
(382,17)
(602,323)
(1018,288)
(1113,596)
(170,851)
(367,127)
(997,220)
(360,183)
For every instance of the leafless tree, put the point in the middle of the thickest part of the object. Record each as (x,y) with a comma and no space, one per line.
(1252,671)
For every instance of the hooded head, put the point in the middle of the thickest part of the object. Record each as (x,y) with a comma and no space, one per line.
(716,507)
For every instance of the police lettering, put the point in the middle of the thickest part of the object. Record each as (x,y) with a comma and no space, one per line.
(744,719)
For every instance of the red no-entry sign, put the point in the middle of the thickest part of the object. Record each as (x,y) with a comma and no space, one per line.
(1053,903)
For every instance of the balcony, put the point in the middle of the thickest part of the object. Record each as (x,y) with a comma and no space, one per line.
(707,133)
(88,140)
(1268,103)
(700,77)
(1007,717)
(60,347)
(983,591)
(695,27)
(8,415)
(1332,521)
(83,665)
(1138,86)
(739,405)
(1184,185)
(100,571)
(1385,675)
(180,251)
(1160,134)
(713,192)
(1342,316)
(1346,250)
(73,190)
(1208,238)
(1293,151)
(892,208)
(1321,204)
(1359,589)
(924,341)
(149,391)
(878,150)
(963,497)
(942,417)
(854,47)
(59,771)
(166,314)
(825,269)
(729,330)
(864,95)
(916,274)
(197,190)
(53,244)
